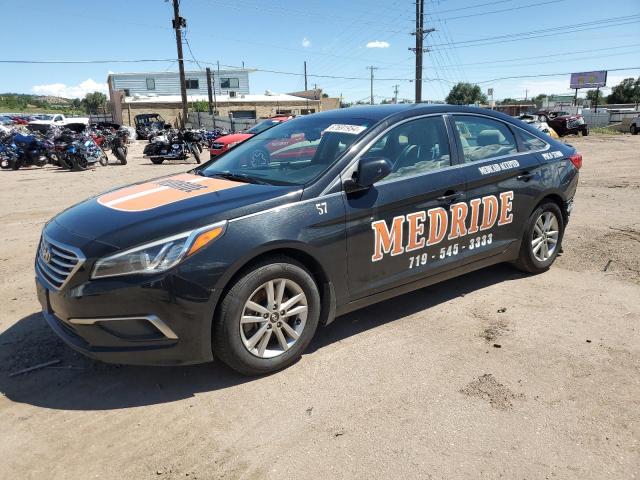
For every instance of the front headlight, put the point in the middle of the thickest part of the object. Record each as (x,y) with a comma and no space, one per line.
(157,256)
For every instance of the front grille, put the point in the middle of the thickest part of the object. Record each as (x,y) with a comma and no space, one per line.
(57,262)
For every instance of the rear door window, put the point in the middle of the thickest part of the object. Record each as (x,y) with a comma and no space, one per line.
(531,143)
(483,138)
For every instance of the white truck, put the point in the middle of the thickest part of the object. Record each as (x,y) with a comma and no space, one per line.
(58,119)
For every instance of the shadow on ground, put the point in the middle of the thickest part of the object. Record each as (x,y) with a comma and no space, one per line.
(79,383)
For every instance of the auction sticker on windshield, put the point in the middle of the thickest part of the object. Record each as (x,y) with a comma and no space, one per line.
(344,128)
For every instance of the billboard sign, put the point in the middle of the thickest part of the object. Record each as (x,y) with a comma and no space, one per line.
(588,79)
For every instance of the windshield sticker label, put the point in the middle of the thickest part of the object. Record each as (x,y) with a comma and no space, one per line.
(344,128)
(161,192)
(430,227)
(552,155)
(498,167)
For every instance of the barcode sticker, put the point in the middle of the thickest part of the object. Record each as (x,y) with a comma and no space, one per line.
(344,128)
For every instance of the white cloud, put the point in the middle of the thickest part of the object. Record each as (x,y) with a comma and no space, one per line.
(378,44)
(70,91)
(306,43)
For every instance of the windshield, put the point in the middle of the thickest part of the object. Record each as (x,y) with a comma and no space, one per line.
(291,153)
(262,126)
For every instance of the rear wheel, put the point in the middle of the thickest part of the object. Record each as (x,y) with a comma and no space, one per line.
(542,239)
(157,160)
(585,131)
(267,318)
(634,130)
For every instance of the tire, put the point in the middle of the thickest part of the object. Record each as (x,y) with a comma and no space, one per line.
(529,260)
(157,161)
(14,164)
(585,131)
(634,130)
(231,339)
(196,153)
(104,160)
(121,154)
(79,163)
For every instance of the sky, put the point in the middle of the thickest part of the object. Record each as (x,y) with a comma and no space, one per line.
(336,38)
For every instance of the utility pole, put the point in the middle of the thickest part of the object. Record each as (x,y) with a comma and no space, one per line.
(305,75)
(372,68)
(211,91)
(419,49)
(178,23)
(395,93)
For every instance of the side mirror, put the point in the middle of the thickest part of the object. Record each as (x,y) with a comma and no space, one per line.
(370,170)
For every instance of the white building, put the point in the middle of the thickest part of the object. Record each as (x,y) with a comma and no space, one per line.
(146,84)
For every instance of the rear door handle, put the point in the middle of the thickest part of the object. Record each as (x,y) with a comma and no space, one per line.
(525,177)
(450,196)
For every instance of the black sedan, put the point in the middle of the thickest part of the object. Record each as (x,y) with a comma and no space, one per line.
(243,261)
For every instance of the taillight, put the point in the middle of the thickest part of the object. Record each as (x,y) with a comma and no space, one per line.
(576,159)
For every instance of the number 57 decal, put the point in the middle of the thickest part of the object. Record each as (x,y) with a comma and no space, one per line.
(322,208)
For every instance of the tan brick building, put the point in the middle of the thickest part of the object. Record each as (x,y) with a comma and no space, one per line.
(245,107)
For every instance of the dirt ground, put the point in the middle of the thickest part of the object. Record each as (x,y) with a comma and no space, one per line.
(491,375)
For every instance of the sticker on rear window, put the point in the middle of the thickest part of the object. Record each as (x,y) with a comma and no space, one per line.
(344,128)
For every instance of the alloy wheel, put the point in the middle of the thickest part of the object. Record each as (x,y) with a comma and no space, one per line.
(545,236)
(273,318)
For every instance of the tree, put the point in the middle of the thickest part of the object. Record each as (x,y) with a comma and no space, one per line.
(595,95)
(201,106)
(93,102)
(465,94)
(539,99)
(627,91)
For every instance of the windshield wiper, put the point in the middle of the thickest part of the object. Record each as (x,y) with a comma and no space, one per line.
(240,177)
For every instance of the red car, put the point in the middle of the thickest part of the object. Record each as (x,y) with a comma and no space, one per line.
(222,144)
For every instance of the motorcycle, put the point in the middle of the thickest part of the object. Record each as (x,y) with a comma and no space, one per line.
(118,143)
(30,151)
(173,145)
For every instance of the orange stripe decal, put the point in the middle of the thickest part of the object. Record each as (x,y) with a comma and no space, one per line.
(163,191)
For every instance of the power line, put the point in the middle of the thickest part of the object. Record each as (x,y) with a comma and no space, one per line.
(520,7)
(563,29)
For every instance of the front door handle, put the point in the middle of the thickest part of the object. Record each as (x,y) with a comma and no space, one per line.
(450,196)
(525,177)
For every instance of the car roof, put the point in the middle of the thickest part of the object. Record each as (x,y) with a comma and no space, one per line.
(382,112)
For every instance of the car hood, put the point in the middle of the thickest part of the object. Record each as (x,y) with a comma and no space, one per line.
(233,138)
(166,206)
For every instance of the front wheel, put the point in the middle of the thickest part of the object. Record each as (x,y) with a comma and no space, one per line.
(585,131)
(196,153)
(104,160)
(634,130)
(79,163)
(542,239)
(157,160)
(121,155)
(267,318)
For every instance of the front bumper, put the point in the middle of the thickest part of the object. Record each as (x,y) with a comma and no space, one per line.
(160,321)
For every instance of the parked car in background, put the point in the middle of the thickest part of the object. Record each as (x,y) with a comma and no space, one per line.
(58,120)
(222,144)
(148,124)
(565,123)
(536,121)
(634,128)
